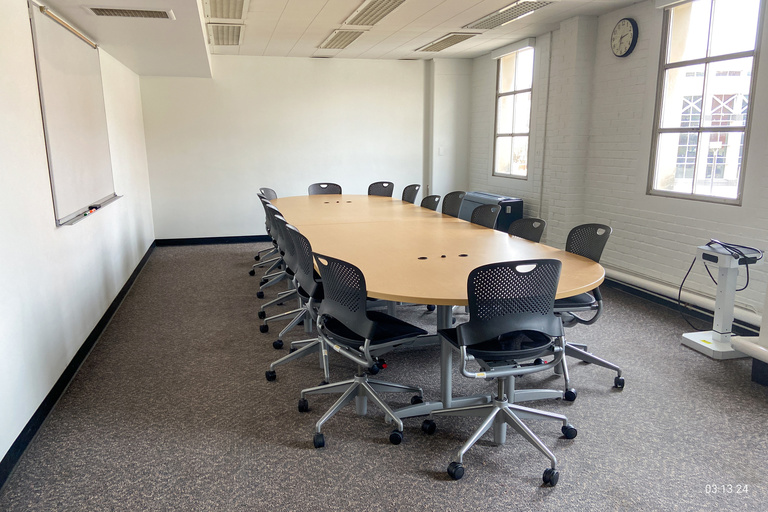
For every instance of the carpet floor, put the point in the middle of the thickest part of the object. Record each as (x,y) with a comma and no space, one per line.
(172,411)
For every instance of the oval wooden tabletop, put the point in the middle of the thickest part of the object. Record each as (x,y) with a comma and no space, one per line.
(412,254)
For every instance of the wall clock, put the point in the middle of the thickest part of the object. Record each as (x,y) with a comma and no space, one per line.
(624,37)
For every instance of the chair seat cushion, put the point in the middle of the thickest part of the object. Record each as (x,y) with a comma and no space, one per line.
(581,301)
(388,329)
(512,346)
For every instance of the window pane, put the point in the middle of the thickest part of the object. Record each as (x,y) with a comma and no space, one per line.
(524,70)
(719,164)
(683,88)
(503,156)
(507,73)
(689,31)
(519,156)
(728,85)
(675,171)
(504,114)
(522,121)
(735,26)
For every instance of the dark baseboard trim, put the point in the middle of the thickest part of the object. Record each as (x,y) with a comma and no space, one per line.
(166,242)
(739,328)
(33,425)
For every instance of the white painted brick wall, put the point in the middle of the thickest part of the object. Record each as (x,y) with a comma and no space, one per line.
(596,156)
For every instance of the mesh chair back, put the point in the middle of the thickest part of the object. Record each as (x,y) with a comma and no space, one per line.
(410,192)
(588,240)
(381,188)
(284,242)
(269,217)
(323,188)
(531,229)
(430,202)
(485,215)
(452,203)
(511,296)
(345,294)
(268,193)
(305,267)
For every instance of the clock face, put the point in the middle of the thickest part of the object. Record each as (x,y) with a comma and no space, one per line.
(624,37)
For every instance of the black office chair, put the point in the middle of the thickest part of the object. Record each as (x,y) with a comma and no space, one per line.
(310,290)
(268,193)
(531,229)
(269,251)
(275,273)
(431,202)
(511,320)
(323,188)
(452,203)
(586,240)
(410,192)
(345,326)
(285,242)
(485,215)
(381,188)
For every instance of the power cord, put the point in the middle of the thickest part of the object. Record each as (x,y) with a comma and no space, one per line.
(738,252)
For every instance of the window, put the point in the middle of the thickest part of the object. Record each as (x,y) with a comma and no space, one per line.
(513,113)
(702,110)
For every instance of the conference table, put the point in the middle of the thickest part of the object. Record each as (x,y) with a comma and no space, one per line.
(412,254)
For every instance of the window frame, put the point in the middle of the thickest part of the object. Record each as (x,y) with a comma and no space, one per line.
(702,131)
(497,96)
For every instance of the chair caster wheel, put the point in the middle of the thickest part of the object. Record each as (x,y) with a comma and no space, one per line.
(570,395)
(277,345)
(323,383)
(257,257)
(416,400)
(264,328)
(260,295)
(538,361)
(303,405)
(292,350)
(550,477)
(430,307)
(569,431)
(618,382)
(396,437)
(429,427)
(271,375)
(262,282)
(318,440)
(262,315)
(252,272)
(455,470)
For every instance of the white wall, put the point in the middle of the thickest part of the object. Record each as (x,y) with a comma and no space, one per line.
(56,283)
(597,154)
(451,116)
(281,123)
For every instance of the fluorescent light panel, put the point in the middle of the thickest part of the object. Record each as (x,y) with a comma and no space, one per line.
(225,35)
(372,11)
(132,13)
(444,42)
(226,9)
(508,14)
(340,39)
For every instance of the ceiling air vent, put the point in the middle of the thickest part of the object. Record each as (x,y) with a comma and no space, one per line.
(445,42)
(372,11)
(508,14)
(132,13)
(340,39)
(226,9)
(222,34)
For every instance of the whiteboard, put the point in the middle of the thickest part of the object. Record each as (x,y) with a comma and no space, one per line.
(74,119)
